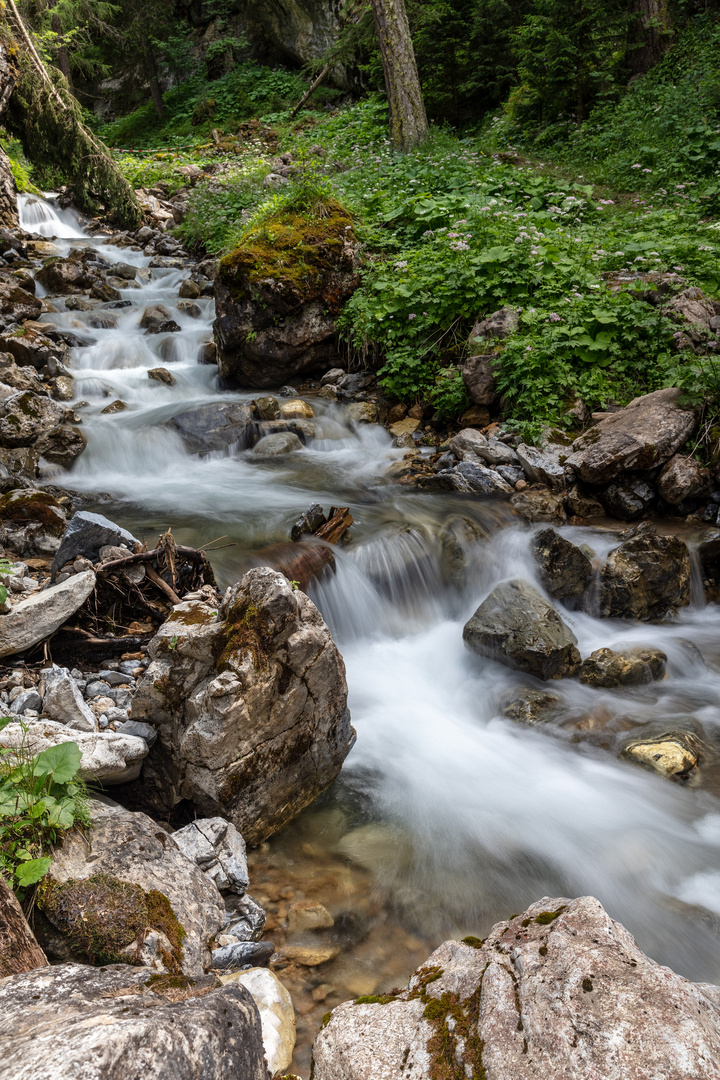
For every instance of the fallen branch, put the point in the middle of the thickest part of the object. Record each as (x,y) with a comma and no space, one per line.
(153,576)
(313,87)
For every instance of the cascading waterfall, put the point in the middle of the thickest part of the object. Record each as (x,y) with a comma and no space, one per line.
(486,815)
(47,219)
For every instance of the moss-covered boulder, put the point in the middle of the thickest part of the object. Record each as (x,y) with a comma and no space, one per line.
(279,294)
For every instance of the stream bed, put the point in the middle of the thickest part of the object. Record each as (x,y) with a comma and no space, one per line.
(447,816)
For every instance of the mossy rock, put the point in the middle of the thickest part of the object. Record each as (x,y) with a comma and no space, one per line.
(21,507)
(105,920)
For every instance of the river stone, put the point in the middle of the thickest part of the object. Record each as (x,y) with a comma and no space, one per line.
(529,706)
(268,407)
(539,505)
(482,480)
(363,412)
(132,848)
(564,570)
(26,416)
(36,618)
(215,427)
(107,757)
(64,276)
(623,667)
(154,317)
(646,578)
(283,442)
(64,703)
(682,478)
(62,446)
(646,433)
(296,410)
(627,498)
(18,303)
(541,468)
(86,534)
(247,922)
(495,452)
(517,626)
(560,992)
(111,1023)
(467,442)
(242,954)
(250,702)
(218,849)
(673,754)
(277,1015)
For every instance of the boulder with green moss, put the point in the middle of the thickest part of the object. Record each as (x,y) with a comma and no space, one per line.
(250,704)
(561,991)
(279,294)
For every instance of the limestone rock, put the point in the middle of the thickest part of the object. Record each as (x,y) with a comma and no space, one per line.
(26,505)
(683,478)
(296,409)
(62,446)
(218,849)
(647,577)
(541,467)
(130,847)
(277,1015)
(64,703)
(250,703)
(284,442)
(19,950)
(673,754)
(480,479)
(363,412)
(561,992)
(644,434)
(214,427)
(43,613)
(467,443)
(528,706)
(624,667)
(112,1023)
(86,534)
(16,303)
(65,276)
(517,626)
(154,318)
(535,506)
(26,416)
(564,570)
(107,756)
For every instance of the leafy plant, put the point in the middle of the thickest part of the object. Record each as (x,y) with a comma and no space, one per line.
(41,797)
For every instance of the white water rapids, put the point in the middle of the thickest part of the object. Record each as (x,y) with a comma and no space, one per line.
(488,815)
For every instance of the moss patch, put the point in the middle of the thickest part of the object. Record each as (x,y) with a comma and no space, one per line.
(546,917)
(299,249)
(22,507)
(102,915)
(473,942)
(243,630)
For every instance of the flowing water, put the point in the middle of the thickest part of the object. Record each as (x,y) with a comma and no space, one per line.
(455,816)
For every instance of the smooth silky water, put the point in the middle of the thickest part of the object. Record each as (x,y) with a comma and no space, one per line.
(456,816)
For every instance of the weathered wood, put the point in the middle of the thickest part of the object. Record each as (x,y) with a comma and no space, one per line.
(408,120)
(19,951)
(303,563)
(153,576)
(313,87)
(336,526)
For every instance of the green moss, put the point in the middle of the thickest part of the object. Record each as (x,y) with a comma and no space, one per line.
(375,999)
(473,942)
(101,916)
(546,917)
(325,1020)
(169,982)
(455,1048)
(194,617)
(296,247)
(33,506)
(243,630)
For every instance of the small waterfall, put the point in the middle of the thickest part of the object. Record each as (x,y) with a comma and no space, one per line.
(40,216)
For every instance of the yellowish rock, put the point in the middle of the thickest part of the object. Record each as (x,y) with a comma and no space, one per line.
(404,427)
(310,955)
(669,757)
(296,410)
(115,406)
(306,915)
(277,1016)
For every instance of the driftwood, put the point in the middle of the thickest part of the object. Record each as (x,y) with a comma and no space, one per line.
(19,951)
(312,557)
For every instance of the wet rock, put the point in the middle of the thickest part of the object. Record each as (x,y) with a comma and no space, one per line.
(131,848)
(308,522)
(308,915)
(516,626)
(277,1016)
(114,407)
(218,849)
(65,276)
(296,410)
(189,290)
(153,318)
(363,412)
(21,378)
(63,388)
(273,323)
(541,468)
(31,506)
(543,997)
(268,407)
(100,1023)
(623,667)
(709,554)
(250,704)
(125,270)
(683,478)
(193,311)
(26,416)
(404,427)
(64,703)
(18,303)
(162,375)
(467,443)
(247,922)
(284,442)
(242,954)
(32,348)
(628,498)
(62,446)
(647,577)
(215,427)
(310,955)
(674,755)
(482,480)
(40,615)
(457,537)
(102,290)
(564,570)
(107,758)
(644,434)
(584,506)
(536,506)
(528,706)
(86,534)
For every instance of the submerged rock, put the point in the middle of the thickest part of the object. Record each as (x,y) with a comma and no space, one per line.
(250,702)
(517,626)
(528,706)
(646,578)
(564,570)
(118,1023)
(215,427)
(560,991)
(625,667)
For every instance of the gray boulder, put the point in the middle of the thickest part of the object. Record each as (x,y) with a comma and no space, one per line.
(542,467)
(561,992)
(43,613)
(250,702)
(683,477)
(468,443)
(86,534)
(185,910)
(218,849)
(564,570)
(107,757)
(64,703)
(284,442)
(478,370)
(480,479)
(644,434)
(517,626)
(242,954)
(115,1023)
(627,498)
(215,427)
(25,416)
(647,577)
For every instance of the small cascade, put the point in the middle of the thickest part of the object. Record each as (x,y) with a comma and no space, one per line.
(45,218)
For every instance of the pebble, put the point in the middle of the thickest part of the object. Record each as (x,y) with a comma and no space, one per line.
(97,688)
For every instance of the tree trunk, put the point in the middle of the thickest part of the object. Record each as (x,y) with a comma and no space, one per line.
(649,34)
(19,951)
(408,122)
(62,53)
(152,75)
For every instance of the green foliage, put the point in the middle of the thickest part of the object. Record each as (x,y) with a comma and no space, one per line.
(19,166)
(41,797)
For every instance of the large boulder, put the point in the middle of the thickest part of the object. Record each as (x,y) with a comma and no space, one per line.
(277,1015)
(564,570)
(36,618)
(86,534)
(644,434)
(683,477)
(125,892)
(24,417)
(16,303)
(118,1023)
(108,757)
(278,296)
(216,427)
(647,577)
(517,626)
(561,992)
(250,703)
(65,276)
